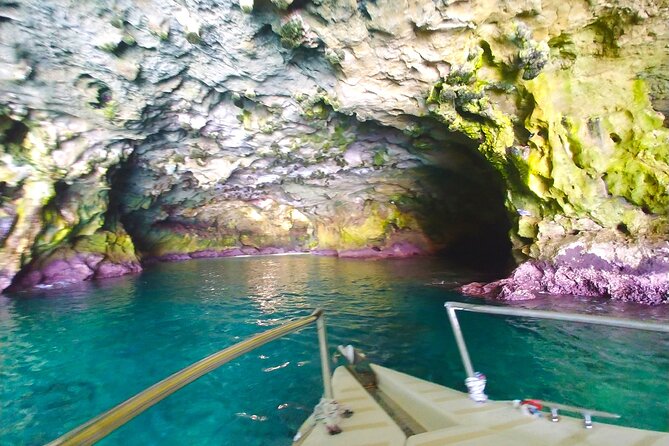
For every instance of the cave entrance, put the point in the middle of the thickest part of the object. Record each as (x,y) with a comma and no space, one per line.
(463,207)
(345,184)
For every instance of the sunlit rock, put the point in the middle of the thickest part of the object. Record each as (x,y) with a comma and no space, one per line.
(373,129)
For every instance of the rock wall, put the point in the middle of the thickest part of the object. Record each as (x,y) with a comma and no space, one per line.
(178,129)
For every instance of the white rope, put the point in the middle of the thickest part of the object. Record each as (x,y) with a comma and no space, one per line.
(330,412)
(476,386)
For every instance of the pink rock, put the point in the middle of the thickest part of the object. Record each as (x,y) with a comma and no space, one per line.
(405,249)
(75,268)
(271,250)
(325,252)
(231,252)
(397,250)
(108,269)
(173,257)
(473,289)
(72,270)
(520,295)
(5,281)
(628,273)
(29,279)
(362,253)
(495,287)
(206,253)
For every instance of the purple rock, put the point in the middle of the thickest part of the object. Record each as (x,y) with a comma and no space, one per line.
(325,252)
(405,249)
(520,294)
(616,270)
(66,269)
(205,254)
(72,270)
(29,279)
(173,257)
(397,250)
(271,250)
(5,280)
(474,289)
(90,259)
(363,253)
(213,253)
(231,252)
(108,269)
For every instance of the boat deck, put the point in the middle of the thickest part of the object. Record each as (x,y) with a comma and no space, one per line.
(448,417)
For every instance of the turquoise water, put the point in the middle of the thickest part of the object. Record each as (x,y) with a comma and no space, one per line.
(68,354)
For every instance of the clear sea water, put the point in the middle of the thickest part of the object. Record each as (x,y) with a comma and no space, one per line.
(67,354)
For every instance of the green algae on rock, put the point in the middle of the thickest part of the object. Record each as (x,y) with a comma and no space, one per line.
(605,161)
(247,127)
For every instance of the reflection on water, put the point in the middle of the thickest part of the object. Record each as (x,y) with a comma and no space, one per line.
(67,354)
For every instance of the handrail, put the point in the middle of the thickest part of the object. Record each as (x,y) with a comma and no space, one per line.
(105,423)
(451,308)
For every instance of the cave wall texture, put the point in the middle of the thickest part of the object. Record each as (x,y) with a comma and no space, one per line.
(165,129)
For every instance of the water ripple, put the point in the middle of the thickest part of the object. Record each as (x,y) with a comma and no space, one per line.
(69,353)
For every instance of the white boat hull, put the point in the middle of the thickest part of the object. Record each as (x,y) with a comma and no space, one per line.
(446,416)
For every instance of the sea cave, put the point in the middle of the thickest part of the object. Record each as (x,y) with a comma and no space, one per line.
(166,160)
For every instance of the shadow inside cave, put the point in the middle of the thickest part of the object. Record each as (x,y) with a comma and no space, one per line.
(456,198)
(462,212)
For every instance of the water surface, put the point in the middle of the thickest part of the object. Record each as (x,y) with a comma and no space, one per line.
(68,354)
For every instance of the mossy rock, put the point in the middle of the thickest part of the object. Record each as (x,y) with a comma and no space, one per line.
(117,247)
(292,33)
(607,161)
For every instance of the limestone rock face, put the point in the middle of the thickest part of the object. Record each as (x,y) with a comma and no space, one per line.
(374,128)
(590,266)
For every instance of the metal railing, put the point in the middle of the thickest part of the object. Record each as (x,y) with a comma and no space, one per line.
(102,425)
(452,307)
